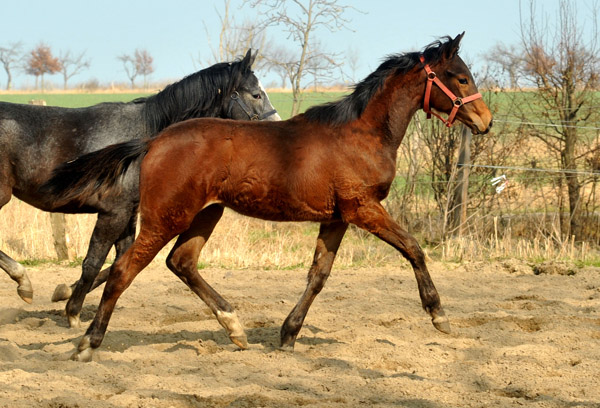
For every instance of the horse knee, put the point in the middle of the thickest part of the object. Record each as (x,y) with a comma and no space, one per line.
(90,268)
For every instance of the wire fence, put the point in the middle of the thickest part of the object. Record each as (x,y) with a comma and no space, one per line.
(517,190)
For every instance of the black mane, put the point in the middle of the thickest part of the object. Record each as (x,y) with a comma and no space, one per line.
(353,105)
(202,94)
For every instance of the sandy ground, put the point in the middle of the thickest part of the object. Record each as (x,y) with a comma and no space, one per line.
(519,339)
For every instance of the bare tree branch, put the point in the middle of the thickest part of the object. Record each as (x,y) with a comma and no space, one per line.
(9,56)
(72,65)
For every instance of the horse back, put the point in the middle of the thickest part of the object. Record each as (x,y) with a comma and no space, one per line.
(36,139)
(266,170)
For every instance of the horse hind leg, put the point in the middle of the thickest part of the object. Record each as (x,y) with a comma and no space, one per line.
(328,242)
(64,291)
(15,270)
(108,228)
(183,261)
(18,273)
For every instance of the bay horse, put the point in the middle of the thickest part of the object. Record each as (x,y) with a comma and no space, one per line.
(35,139)
(332,165)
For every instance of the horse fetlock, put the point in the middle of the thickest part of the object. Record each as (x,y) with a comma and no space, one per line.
(235,330)
(62,292)
(74,321)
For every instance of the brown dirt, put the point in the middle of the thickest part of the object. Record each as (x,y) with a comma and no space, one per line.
(519,339)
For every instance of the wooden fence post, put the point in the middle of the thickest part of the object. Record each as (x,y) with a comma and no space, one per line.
(459,210)
(57,221)
(59,233)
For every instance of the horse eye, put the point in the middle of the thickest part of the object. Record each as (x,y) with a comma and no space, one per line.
(257,96)
(463,81)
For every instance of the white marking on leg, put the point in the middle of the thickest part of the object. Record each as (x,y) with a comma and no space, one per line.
(74,322)
(231,323)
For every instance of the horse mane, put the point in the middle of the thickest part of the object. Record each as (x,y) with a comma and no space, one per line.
(201,94)
(351,106)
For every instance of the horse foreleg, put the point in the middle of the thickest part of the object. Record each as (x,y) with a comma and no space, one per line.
(183,261)
(377,221)
(328,242)
(17,272)
(108,228)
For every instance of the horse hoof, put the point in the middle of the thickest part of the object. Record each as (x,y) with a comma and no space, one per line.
(84,356)
(240,341)
(288,348)
(442,324)
(26,295)
(62,292)
(74,322)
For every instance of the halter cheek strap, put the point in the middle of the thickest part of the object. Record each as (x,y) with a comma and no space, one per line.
(457,101)
(235,98)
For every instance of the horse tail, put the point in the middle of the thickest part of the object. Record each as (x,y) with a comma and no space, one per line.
(95,172)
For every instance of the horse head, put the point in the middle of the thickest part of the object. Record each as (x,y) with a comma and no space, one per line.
(249,100)
(451,89)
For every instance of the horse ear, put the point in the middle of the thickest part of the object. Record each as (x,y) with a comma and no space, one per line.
(248,60)
(454,45)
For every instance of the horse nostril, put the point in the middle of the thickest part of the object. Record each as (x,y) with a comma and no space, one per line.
(491,123)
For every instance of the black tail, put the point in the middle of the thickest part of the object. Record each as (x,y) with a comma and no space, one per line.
(95,172)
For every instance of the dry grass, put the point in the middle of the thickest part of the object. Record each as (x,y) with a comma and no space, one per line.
(237,242)
(242,242)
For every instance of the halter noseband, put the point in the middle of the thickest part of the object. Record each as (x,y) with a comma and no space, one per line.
(235,98)
(457,101)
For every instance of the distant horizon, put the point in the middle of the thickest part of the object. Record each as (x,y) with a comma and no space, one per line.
(179,34)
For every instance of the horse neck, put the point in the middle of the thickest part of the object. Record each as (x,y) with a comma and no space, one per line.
(176,105)
(392,109)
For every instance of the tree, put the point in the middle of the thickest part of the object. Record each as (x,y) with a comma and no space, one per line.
(72,65)
(143,61)
(503,56)
(564,69)
(41,62)
(140,63)
(235,39)
(301,23)
(130,67)
(353,62)
(8,57)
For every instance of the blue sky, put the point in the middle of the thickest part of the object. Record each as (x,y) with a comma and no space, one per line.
(175,31)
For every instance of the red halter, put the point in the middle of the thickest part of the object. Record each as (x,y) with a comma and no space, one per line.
(456,101)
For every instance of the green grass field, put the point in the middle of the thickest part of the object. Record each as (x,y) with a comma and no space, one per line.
(282,101)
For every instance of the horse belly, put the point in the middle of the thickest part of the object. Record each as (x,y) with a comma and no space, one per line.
(279,203)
